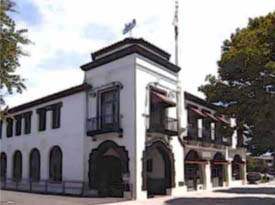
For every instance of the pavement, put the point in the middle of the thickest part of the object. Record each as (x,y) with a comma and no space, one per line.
(263,194)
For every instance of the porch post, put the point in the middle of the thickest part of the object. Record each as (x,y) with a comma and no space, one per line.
(207,175)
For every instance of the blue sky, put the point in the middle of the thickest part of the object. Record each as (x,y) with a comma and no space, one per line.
(65,32)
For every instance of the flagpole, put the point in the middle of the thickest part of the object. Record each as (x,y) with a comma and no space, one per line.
(179,89)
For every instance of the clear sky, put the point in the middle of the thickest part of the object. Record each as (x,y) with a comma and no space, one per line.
(65,32)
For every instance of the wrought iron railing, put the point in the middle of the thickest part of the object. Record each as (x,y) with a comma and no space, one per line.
(206,135)
(44,186)
(166,125)
(104,123)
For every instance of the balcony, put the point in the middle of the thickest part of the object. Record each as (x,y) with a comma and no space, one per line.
(104,124)
(168,126)
(209,136)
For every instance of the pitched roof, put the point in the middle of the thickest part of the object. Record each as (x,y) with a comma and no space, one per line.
(200,101)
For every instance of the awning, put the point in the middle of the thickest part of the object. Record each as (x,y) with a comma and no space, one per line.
(211,116)
(222,119)
(197,111)
(219,162)
(160,98)
(196,161)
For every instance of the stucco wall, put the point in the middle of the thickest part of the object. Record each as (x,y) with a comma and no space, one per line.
(69,137)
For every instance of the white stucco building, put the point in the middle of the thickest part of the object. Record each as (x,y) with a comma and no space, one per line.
(127,131)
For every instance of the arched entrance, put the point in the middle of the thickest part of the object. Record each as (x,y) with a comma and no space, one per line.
(237,168)
(218,170)
(107,166)
(193,170)
(3,166)
(158,169)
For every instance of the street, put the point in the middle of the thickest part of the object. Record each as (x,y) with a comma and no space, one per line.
(263,194)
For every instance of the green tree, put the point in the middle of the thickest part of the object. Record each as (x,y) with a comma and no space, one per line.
(11,50)
(246,78)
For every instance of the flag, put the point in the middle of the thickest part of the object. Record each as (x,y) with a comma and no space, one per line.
(176,19)
(129,26)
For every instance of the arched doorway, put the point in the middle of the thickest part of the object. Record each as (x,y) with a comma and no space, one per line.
(158,169)
(237,168)
(55,164)
(193,170)
(34,168)
(17,166)
(218,170)
(3,166)
(107,166)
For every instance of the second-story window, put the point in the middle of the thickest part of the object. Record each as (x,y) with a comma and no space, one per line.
(1,125)
(109,107)
(9,127)
(56,115)
(18,125)
(27,122)
(42,115)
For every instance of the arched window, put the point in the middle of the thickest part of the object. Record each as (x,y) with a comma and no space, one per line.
(17,166)
(3,165)
(34,168)
(55,172)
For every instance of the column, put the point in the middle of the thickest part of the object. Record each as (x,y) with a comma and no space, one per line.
(178,151)
(207,175)
(229,173)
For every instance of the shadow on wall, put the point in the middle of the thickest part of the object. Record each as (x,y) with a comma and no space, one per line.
(266,190)
(222,201)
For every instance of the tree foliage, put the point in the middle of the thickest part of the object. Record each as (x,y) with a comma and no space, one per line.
(246,78)
(11,43)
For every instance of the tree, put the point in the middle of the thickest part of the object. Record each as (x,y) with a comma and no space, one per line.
(246,81)
(11,43)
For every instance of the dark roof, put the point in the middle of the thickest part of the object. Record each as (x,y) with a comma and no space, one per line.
(135,48)
(63,93)
(128,41)
(200,101)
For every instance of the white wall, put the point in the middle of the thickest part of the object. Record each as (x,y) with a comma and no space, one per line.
(121,70)
(69,137)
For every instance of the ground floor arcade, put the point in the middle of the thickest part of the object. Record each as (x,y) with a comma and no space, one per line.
(109,174)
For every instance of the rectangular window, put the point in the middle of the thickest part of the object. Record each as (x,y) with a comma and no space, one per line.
(28,122)
(42,115)
(109,108)
(9,127)
(18,125)
(56,115)
(1,127)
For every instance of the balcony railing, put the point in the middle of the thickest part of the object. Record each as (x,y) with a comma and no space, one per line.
(104,124)
(207,135)
(168,126)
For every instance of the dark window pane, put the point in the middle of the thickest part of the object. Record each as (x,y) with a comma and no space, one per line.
(17,166)
(149,165)
(9,127)
(28,123)
(42,119)
(55,171)
(56,115)
(1,127)
(35,165)
(18,125)
(3,166)
(109,108)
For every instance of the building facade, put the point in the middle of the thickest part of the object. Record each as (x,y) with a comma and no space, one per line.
(127,131)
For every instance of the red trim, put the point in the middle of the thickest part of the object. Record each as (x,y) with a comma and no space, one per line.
(202,161)
(160,98)
(211,116)
(222,119)
(220,162)
(197,111)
